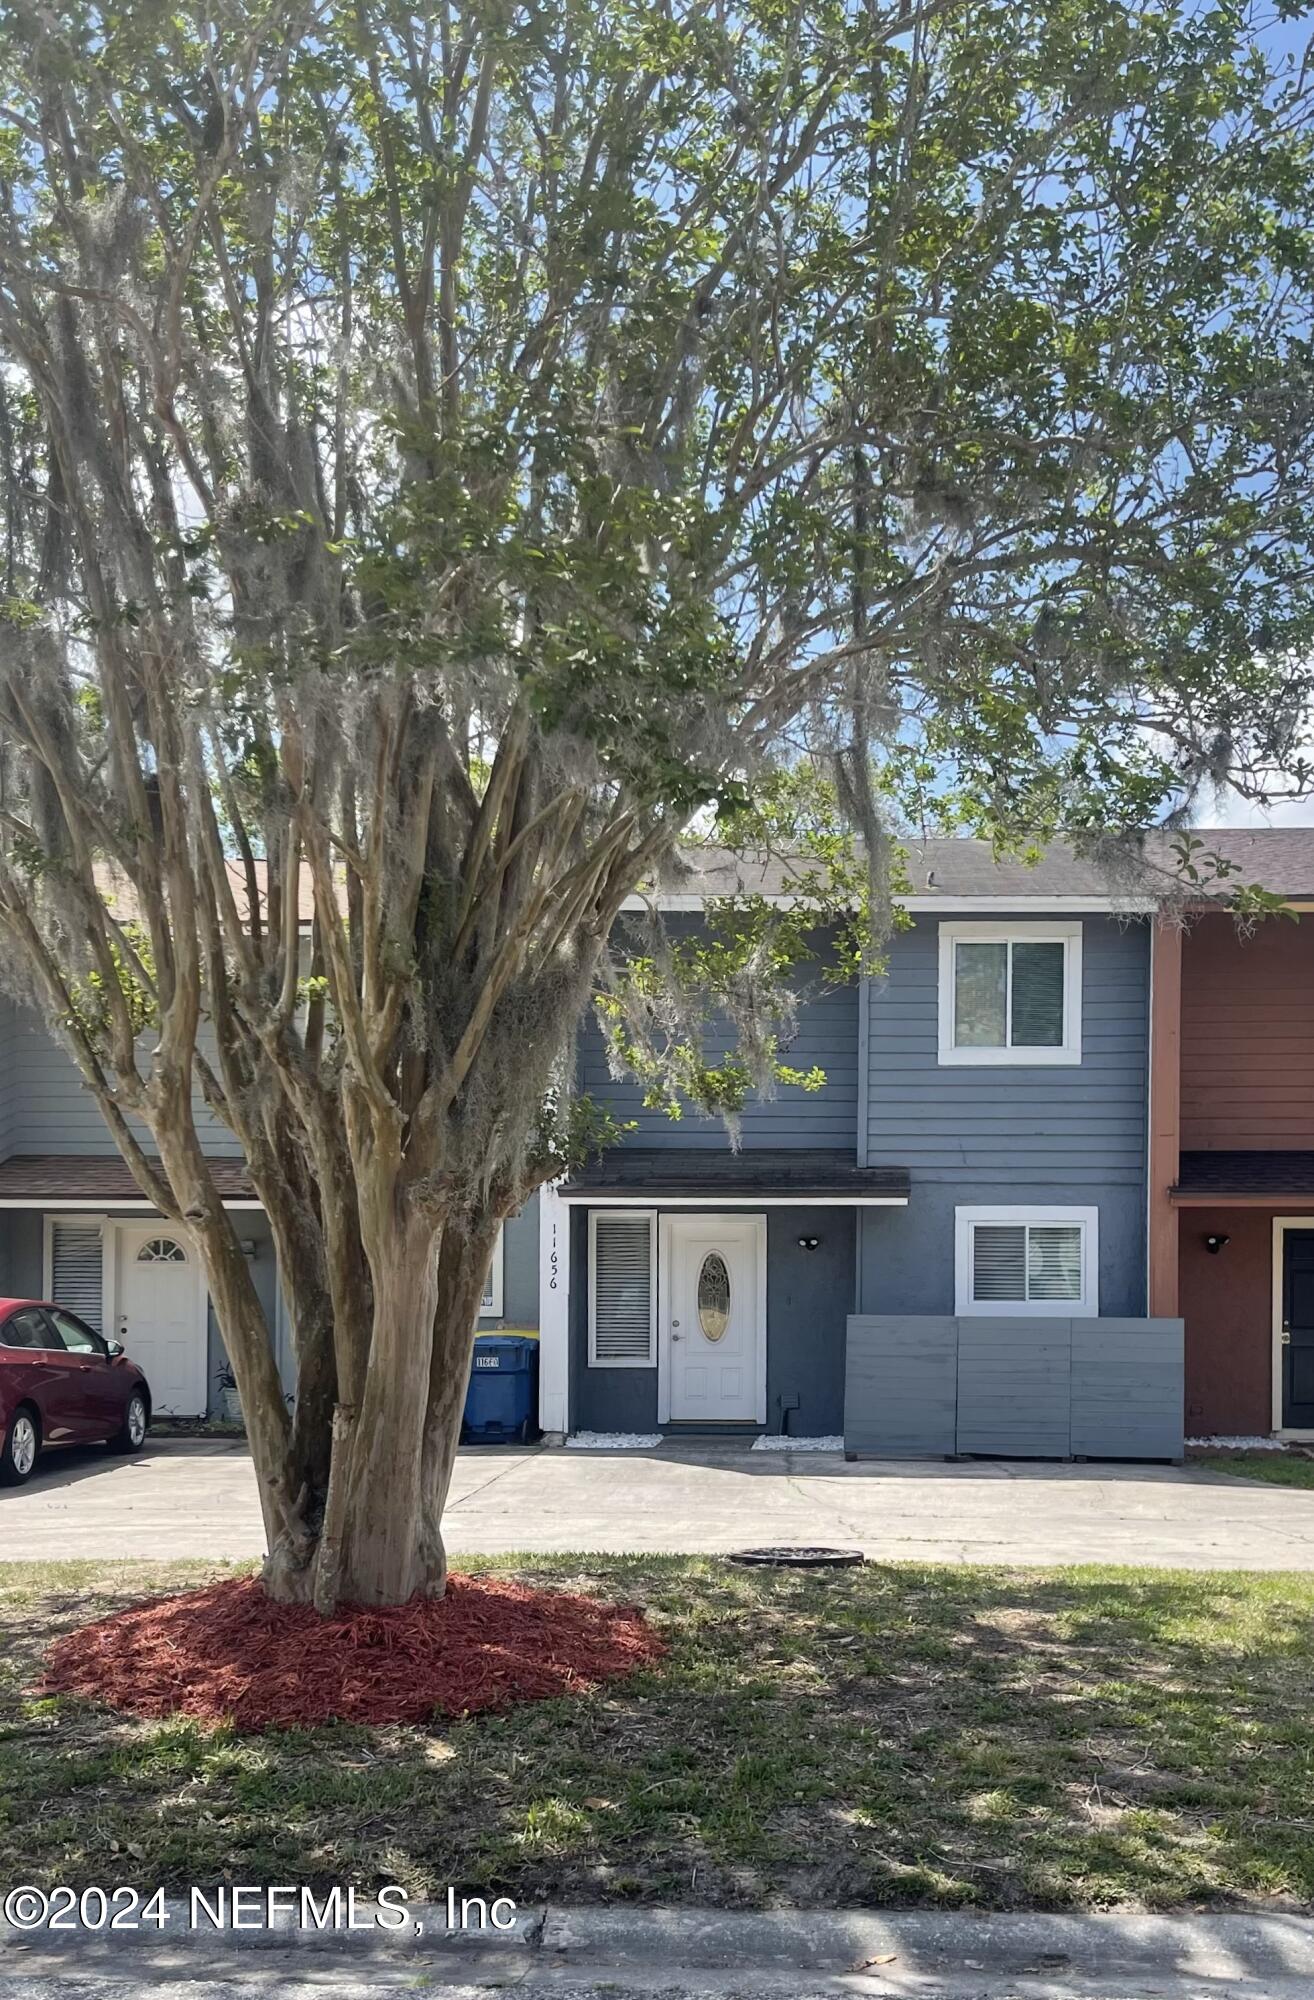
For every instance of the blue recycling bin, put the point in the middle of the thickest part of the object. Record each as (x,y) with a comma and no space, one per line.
(501,1404)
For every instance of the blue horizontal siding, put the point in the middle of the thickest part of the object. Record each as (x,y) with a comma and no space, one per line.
(826,1038)
(1073,1125)
(50,1109)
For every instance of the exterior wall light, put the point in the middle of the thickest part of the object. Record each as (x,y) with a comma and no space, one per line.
(1213,1244)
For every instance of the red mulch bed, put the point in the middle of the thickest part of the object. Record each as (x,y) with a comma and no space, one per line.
(227,1653)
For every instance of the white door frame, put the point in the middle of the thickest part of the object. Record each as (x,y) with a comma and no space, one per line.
(665,1236)
(554,1362)
(1281,1224)
(159,1226)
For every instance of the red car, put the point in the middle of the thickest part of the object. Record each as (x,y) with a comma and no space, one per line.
(60,1383)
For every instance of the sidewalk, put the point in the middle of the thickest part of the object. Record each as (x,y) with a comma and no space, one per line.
(561,1954)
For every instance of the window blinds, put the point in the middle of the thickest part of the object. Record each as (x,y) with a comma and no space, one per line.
(75,1270)
(622,1289)
(1026,1262)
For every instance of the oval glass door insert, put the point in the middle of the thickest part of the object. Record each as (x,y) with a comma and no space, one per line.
(714,1295)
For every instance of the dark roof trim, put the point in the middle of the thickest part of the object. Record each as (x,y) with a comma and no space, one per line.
(714,1198)
(1271,1174)
(100,1180)
(704,1177)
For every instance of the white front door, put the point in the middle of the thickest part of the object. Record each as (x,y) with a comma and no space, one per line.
(161,1314)
(714,1302)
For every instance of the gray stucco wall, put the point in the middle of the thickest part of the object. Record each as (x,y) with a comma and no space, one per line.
(826,1038)
(906,1255)
(253,1227)
(1079,1125)
(809,1298)
(22,1253)
(519,1269)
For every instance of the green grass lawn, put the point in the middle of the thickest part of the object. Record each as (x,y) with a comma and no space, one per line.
(905,1734)
(1279,1468)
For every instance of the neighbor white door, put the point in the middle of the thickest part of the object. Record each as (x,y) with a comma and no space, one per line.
(714,1302)
(161,1314)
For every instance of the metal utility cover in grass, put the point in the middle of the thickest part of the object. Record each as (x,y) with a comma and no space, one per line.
(798,1558)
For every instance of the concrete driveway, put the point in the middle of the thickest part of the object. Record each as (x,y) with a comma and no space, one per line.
(197,1498)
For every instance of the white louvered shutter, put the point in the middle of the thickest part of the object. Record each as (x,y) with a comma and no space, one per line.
(75,1270)
(623,1292)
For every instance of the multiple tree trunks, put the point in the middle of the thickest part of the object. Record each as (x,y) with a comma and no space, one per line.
(371,1532)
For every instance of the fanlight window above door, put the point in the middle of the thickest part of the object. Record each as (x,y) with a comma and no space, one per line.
(161,1250)
(714,1295)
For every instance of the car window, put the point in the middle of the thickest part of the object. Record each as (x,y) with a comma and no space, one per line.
(28,1329)
(78,1339)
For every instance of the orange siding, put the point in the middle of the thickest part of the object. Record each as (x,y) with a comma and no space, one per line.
(1227,1303)
(1248,1035)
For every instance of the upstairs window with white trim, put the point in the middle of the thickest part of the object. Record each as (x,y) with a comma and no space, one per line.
(1030,1261)
(622,1288)
(1010,993)
(490,1305)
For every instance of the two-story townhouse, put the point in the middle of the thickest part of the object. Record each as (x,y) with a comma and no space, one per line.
(977,1159)
(978,1154)
(1232,1146)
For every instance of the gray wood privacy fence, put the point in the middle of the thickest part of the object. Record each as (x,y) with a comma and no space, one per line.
(918,1386)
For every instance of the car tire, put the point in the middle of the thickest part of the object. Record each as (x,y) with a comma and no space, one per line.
(131,1434)
(21,1448)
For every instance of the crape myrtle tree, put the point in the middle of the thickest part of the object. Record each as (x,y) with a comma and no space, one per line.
(450,452)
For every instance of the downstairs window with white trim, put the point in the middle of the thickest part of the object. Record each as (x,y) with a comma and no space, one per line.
(623,1288)
(1030,1261)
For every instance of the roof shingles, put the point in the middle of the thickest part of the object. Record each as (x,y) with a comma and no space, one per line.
(43,1177)
(1280,859)
(1231,1173)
